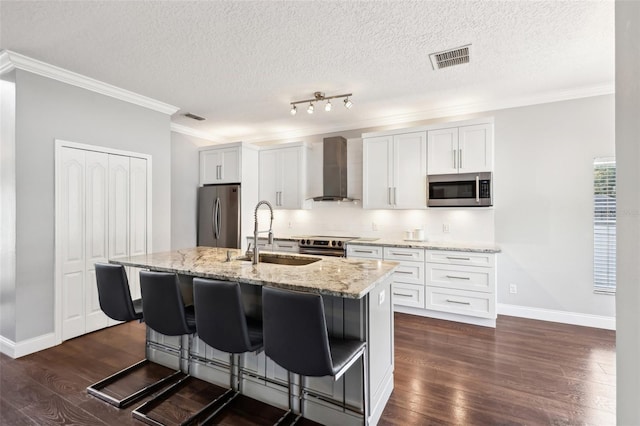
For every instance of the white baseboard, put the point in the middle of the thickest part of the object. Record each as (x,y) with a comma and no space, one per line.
(29,346)
(467,319)
(575,318)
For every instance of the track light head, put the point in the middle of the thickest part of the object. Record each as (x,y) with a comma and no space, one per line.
(310,108)
(327,107)
(347,103)
(294,110)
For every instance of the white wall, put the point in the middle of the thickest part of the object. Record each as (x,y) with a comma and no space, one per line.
(628,193)
(543,202)
(46,110)
(184,189)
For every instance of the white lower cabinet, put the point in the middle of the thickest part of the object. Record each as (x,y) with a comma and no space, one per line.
(461,283)
(454,285)
(408,278)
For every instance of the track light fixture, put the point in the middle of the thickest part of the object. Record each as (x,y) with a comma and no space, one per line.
(319,96)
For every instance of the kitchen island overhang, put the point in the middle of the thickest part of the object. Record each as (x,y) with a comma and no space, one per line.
(358,304)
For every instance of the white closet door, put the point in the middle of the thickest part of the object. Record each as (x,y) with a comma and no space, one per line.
(96,241)
(72,236)
(118,208)
(137,218)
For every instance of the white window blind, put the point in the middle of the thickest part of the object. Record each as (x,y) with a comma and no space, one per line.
(604,225)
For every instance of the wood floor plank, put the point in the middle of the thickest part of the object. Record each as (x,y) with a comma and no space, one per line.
(523,372)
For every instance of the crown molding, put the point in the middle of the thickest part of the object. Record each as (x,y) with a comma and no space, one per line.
(190,131)
(11,60)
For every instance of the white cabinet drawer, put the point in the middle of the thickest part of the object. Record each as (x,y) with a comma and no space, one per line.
(288,246)
(461,258)
(368,252)
(409,272)
(408,295)
(402,253)
(460,302)
(460,277)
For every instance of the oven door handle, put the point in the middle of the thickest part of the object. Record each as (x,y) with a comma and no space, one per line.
(322,252)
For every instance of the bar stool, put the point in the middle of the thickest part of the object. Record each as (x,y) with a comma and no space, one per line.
(165,313)
(223,325)
(296,338)
(115,301)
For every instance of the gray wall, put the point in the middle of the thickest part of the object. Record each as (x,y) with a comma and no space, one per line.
(46,110)
(184,189)
(628,192)
(7,207)
(544,202)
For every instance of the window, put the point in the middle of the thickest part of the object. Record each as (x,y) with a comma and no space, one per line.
(604,225)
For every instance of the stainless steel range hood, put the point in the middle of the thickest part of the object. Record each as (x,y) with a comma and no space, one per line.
(334,170)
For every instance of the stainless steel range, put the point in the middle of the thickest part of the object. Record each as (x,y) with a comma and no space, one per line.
(324,246)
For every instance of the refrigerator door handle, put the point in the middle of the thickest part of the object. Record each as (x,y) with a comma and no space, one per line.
(219,214)
(216,219)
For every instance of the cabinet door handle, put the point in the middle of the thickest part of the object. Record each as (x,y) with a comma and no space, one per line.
(402,294)
(457,258)
(363,251)
(395,201)
(454,158)
(404,272)
(458,302)
(284,246)
(477,189)
(221,172)
(457,278)
(401,254)
(389,195)
(460,157)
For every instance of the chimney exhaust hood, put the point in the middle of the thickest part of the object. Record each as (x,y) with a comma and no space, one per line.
(334,170)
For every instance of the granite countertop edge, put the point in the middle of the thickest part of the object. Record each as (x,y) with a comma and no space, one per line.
(429,245)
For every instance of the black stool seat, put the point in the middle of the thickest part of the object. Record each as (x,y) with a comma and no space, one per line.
(165,313)
(223,325)
(115,301)
(296,338)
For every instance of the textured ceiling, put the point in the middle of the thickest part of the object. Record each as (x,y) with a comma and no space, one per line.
(240,63)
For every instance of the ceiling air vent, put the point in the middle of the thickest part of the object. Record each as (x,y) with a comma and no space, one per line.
(451,57)
(195,117)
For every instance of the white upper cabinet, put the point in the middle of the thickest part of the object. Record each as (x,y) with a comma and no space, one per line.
(220,165)
(394,171)
(476,148)
(283,176)
(466,149)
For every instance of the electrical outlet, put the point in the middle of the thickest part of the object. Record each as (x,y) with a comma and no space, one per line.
(445,228)
(374,226)
(513,289)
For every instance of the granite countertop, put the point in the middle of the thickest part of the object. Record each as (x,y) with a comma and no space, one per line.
(429,245)
(334,276)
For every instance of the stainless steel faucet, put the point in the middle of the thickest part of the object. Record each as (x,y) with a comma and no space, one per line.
(256,259)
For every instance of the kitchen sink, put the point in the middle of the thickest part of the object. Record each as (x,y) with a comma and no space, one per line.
(279,259)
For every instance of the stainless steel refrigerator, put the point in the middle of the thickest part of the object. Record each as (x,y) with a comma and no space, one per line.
(219,216)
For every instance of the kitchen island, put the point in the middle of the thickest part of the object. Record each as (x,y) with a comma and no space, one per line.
(357,298)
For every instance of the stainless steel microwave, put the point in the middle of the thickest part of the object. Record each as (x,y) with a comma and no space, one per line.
(460,190)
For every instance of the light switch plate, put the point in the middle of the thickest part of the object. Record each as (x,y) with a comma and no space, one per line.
(381,297)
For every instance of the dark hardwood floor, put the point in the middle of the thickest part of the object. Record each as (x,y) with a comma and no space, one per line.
(523,372)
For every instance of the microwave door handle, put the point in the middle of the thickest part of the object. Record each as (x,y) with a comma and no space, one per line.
(477,189)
